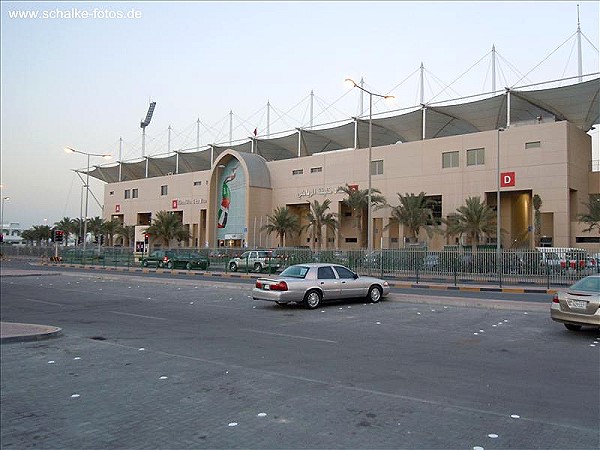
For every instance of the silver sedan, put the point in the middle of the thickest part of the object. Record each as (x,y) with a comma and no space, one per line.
(579,305)
(314,283)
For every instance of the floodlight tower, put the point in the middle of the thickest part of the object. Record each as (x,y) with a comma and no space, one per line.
(144,124)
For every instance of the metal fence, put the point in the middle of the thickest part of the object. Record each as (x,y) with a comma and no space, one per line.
(454,266)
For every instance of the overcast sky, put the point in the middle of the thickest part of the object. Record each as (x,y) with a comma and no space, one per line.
(85,83)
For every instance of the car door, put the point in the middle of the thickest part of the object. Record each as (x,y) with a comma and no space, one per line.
(328,282)
(350,286)
(155,258)
(245,259)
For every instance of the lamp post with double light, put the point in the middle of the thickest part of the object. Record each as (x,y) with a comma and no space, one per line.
(87,184)
(352,84)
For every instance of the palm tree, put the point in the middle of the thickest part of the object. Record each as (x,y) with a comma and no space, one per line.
(66,225)
(112,227)
(592,217)
(168,226)
(127,232)
(29,236)
(358,201)
(282,222)
(41,233)
(474,219)
(318,217)
(77,228)
(96,227)
(414,212)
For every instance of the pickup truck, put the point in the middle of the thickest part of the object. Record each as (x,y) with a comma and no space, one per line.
(256,260)
(173,260)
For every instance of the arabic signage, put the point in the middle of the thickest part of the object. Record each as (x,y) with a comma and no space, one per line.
(176,203)
(311,192)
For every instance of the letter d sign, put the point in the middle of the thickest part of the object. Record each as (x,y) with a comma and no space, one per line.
(507,179)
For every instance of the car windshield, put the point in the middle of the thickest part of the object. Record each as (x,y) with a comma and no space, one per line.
(295,272)
(588,284)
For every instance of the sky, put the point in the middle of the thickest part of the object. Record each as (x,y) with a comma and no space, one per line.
(86,83)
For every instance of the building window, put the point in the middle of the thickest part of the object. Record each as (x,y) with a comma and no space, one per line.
(298,172)
(197,183)
(316,169)
(435,204)
(127,193)
(377,167)
(111,193)
(476,157)
(449,159)
(351,240)
(134,193)
(533,144)
(164,190)
(587,240)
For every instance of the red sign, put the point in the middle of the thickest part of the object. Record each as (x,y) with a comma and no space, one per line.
(174,204)
(353,187)
(507,179)
(117,208)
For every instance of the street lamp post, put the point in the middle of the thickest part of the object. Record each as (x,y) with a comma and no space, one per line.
(4,199)
(498,215)
(350,82)
(87,184)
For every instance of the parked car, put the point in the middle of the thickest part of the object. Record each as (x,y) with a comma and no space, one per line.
(313,283)
(550,261)
(578,260)
(579,304)
(256,260)
(173,260)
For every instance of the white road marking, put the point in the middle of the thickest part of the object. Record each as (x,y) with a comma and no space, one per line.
(290,336)
(138,315)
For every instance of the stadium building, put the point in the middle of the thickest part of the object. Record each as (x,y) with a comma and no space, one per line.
(523,142)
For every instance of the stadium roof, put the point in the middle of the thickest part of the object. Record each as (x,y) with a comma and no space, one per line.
(578,103)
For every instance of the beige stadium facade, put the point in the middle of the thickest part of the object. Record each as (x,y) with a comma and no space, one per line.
(550,158)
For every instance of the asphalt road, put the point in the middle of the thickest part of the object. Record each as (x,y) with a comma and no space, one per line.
(181,363)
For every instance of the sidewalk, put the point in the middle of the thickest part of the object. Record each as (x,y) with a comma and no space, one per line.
(24,332)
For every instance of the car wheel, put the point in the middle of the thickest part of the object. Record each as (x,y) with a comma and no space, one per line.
(572,327)
(188,266)
(312,299)
(170,265)
(374,294)
(144,263)
(258,267)
(233,267)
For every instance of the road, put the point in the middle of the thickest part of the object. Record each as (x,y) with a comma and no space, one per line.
(148,362)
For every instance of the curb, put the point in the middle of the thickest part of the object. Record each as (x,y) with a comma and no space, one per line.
(25,332)
(400,285)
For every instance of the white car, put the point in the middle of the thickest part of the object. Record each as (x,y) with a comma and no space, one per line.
(313,283)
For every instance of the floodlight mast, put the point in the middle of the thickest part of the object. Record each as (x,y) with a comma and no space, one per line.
(144,124)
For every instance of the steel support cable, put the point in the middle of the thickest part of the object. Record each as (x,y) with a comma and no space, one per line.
(544,60)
